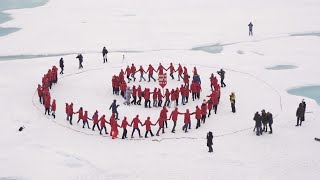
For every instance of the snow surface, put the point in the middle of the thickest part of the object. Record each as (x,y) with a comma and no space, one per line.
(152,32)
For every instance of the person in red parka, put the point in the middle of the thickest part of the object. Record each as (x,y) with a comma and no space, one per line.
(164,115)
(53,108)
(177,93)
(103,122)
(128,72)
(121,76)
(55,74)
(160,69)
(195,71)
(146,95)
(40,94)
(95,119)
(204,109)
(172,70)
(174,116)
(47,105)
(155,97)
(173,97)
(161,125)
(123,88)
(198,114)
(186,80)
(114,129)
(185,71)
(141,70)
(70,113)
(133,72)
(134,95)
(193,90)
(198,89)
(187,120)
(85,119)
(167,96)
(159,96)
(124,125)
(210,105)
(183,93)
(150,75)
(139,91)
(148,124)
(186,94)
(180,71)
(80,112)
(113,83)
(135,122)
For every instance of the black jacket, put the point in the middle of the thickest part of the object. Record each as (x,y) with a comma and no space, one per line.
(209,139)
(300,111)
(257,119)
(104,51)
(221,73)
(61,63)
(114,107)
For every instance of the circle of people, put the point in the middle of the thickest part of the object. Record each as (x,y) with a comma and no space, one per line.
(201,112)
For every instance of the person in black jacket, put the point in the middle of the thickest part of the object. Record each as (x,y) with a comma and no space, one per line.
(61,64)
(222,75)
(270,121)
(257,119)
(114,108)
(104,54)
(250,25)
(300,114)
(264,120)
(80,57)
(209,141)
(304,109)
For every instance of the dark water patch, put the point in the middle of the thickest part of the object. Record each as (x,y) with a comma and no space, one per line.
(17,57)
(15,4)
(312,92)
(282,67)
(213,49)
(6,31)
(306,34)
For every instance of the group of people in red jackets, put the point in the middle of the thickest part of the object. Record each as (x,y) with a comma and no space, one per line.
(200,113)
(48,79)
(119,86)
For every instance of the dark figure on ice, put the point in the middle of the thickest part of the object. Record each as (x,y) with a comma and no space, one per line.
(233,102)
(304,109)
(222,74)
(61,64)
(300,114)
(264,120)
(250,29)
(209,141)
(80,57)
(104,54)
(114,108)
(257,119)
(270,121)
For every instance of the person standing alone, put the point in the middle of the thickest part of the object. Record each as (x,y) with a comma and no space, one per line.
(209,141)
(250,29)
(61,64)
(104,54)
(80,57)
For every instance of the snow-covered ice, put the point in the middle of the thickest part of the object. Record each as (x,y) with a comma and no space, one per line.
(207,34)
